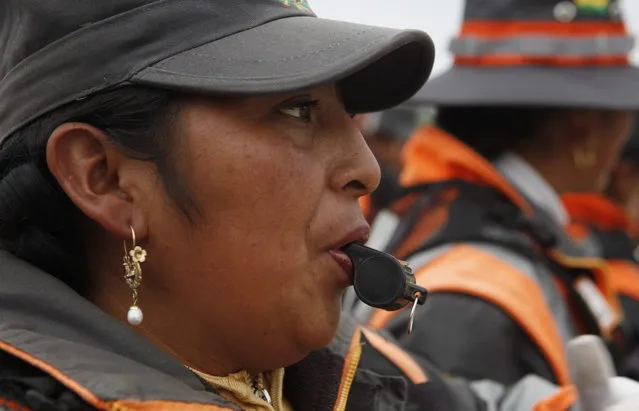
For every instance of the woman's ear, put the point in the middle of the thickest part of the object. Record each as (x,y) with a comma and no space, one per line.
(103,183)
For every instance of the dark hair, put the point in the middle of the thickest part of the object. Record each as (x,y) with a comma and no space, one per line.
(38,222)
(631,154)
(493,130)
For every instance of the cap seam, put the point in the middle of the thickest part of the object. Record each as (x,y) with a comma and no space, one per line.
(194,76)
(291,58)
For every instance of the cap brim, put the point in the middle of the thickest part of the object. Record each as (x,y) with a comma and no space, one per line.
(376,68)
(614,88)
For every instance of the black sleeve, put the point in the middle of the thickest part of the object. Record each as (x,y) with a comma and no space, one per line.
(473,339)
(26,388)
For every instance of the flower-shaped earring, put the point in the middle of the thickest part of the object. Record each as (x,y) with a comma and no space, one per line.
(133,277)
(138,254)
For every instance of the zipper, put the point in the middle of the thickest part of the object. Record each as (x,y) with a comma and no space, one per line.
(352,362)
(259,390)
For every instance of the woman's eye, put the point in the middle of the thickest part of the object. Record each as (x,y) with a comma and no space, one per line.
(301,111)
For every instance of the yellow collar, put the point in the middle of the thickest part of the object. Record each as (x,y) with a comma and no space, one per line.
(238,389)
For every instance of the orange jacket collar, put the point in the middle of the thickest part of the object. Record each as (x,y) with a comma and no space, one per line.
(433,155)
(597,210)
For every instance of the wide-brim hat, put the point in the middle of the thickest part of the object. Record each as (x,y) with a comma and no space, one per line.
(58,51)
(539,53)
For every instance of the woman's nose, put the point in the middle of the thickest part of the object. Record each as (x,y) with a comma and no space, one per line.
(358,173)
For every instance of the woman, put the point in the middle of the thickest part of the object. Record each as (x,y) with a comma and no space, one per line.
(533,108)
(177,179)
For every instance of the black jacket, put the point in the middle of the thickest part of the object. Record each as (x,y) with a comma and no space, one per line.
(60,352)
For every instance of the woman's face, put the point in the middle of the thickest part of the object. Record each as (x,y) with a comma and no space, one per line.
(254,278)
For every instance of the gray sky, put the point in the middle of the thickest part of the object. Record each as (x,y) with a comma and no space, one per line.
(439,18)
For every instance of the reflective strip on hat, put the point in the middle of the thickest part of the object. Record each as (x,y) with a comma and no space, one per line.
(546,46)
(511,60)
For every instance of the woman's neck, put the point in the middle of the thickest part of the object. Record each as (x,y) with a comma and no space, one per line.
(533,185)
(163,328)
(557,168)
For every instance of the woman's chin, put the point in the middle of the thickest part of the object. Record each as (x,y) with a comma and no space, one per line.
(292,354)
(319,333)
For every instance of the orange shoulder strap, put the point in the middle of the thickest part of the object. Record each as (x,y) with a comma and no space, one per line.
(458,271)
(625,278)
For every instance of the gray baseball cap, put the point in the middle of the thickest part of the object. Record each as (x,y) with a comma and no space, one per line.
(58,51)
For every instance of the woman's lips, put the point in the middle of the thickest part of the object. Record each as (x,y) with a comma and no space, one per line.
(345,262)
(357,235)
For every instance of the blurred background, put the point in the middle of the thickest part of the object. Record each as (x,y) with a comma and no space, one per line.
(386,133)
(440,18)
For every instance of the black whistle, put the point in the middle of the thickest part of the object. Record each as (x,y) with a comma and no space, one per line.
(381,280)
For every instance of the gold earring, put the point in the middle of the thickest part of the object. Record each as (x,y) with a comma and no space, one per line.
(133,277)
(585,158)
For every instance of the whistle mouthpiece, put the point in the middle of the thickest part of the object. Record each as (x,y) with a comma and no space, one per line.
(381,280)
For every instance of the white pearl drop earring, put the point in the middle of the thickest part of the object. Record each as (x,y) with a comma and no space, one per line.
(133,276)
(134,316)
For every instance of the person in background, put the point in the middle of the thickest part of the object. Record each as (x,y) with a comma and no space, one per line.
(540,102)
(604,222)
